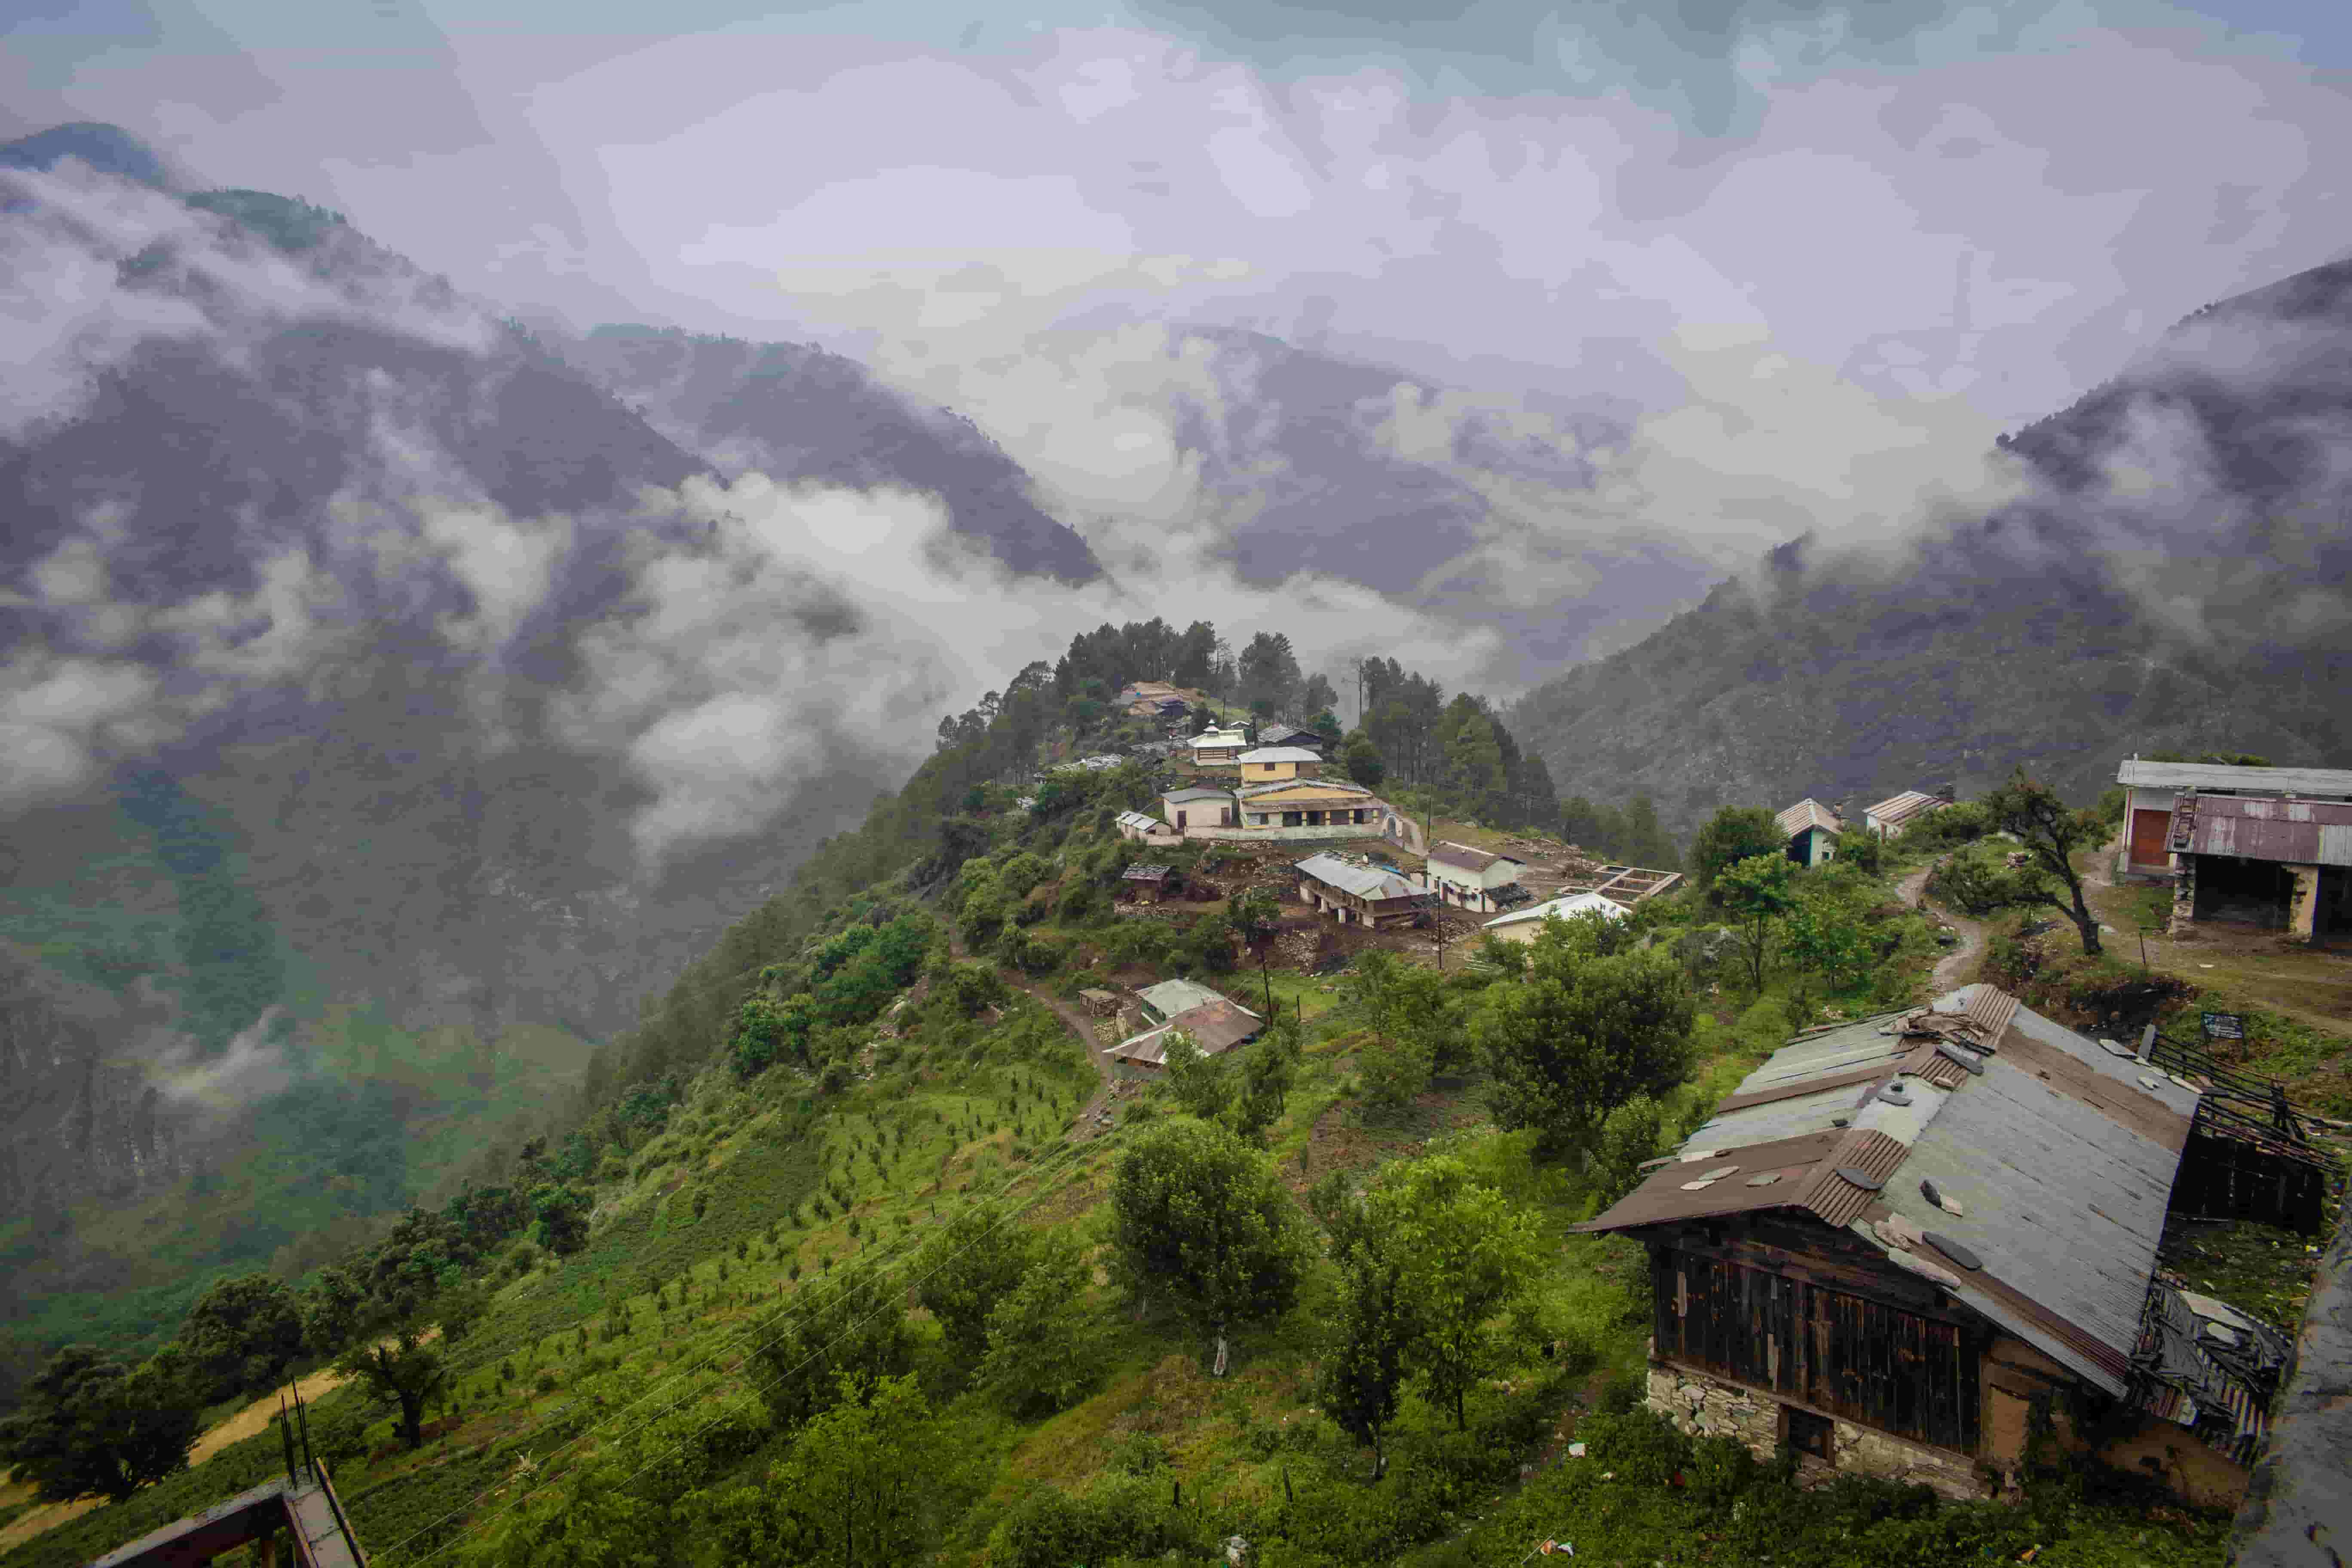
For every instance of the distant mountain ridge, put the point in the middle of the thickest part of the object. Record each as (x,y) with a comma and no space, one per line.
(2175,581)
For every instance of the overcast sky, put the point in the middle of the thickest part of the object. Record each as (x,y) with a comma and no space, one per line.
(1977,207)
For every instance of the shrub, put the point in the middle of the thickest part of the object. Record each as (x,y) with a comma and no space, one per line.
(1721,1468)
(1641,1446)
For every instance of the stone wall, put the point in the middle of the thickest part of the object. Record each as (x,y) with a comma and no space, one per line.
(1709,1407)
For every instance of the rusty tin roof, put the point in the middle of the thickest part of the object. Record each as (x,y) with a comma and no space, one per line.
(2297,832)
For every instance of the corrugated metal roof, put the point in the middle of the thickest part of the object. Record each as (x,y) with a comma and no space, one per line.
(1806,814)
(1266,755)
(1180,796)
(1215,1026)
(1306,788)
(1143,819)
(1569,908)
(2337,782)
(1360,880)
(1171,997)
(2058,1157)
(1898,809)
(2294,832)
(1469,856)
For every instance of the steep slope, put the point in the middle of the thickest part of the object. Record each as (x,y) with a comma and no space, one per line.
(373,732)
(2173,578)
(795,412)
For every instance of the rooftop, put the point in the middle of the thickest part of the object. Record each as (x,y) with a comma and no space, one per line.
(1896,809)
(2050,1157)
(2295,832)
(1196,792)
(1281,755)
(1361,880)
(1468,857)
(1567,909)
(1215,1026)
(1318,786)
(1809,813)
(2322,782)
(1171,997)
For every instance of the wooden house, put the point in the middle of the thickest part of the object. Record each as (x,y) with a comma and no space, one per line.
(1890,816)
(1811,831)
(1901,1237)
(1361,895)
(1468,877)
(1146,882)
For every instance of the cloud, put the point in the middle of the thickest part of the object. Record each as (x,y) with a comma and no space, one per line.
(60,715)
(253,1064)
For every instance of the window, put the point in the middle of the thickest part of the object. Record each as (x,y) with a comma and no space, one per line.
(1809,1434)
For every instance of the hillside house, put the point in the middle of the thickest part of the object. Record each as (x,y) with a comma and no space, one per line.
(1216,1027)
(1265,764)
(1525,925)
(1171,997)
(1359,895)
(1309,803)
(1468,877)
(1900,1236)
(1197,807)
(1280,734)
(1890,816)
(2152,791)
(1145,882)
(1219,748)
(2284,864)
(1812,832)
(1138,827)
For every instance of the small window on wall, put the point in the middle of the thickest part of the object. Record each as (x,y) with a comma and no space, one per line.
(1807,1433)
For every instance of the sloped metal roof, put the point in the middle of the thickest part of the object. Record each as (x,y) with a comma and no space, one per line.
(1569,908)
(1469,856)
(1360,880)
(1306,787)
(1171,997)
(2336,781)
(1180,796)
(2058,1156)
(1898,809)
(1267,755)
(2294,832)
(1806,814)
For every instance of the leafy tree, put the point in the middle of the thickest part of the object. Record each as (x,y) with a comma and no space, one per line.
(242,1333)
(1360,760)
(1627,1138)
(394,1361)
(332,1311)
(460,1309)
(1647,842)
(1755,893)
(849,1332)
(1468,1254)
(1733,833)
(1256,914)
(87,1426)
(760,1035)
(1318,697)
(1825,936)
(2052,836)
(1047,1345)
(974,1261)
(1199,1216)
(1860,846)
(1363,1371)
(1580,1037)
(863,1475)
(562,1224)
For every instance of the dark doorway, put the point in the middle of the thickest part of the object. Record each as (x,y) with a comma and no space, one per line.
(1807,1433)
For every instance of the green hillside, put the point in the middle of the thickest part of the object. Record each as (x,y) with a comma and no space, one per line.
(837,1257)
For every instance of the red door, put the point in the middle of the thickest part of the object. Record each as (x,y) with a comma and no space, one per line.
(2148,840)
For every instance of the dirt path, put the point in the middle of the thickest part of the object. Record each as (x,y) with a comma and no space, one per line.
(1953,969)
(1079,1024)
(254,1418)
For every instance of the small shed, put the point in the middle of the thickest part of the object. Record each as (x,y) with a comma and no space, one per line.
(1142,829)
(1890,816)
(1214,1026)
(1811,830)
(1147,882)
(1101,1003)
(2283,863)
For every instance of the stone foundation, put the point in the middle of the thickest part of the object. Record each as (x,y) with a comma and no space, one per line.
(1708,1407)
(2184,897)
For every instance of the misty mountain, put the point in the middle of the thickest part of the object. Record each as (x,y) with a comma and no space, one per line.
(384,718)
(795,412)
(2171,577)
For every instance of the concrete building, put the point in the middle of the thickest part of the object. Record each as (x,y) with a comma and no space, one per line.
(1890,816)
(2255,844)
(1468,877)
(1526,925)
